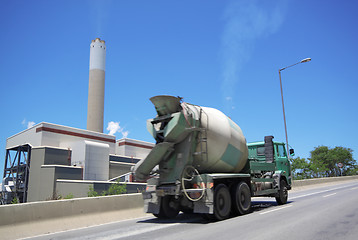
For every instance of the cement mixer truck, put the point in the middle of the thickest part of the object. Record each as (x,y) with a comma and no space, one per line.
(201,163)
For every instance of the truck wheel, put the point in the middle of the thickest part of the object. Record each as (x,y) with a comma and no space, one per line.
(168,208)
(282,193)
(222,202)
(241,198)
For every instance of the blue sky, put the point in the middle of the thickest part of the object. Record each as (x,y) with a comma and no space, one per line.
(221,54)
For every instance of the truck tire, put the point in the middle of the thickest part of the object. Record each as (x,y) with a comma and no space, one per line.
(168,208)
(282,193)
(222,202)
(241,198)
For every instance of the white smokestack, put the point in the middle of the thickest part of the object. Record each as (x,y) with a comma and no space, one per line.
(96,85)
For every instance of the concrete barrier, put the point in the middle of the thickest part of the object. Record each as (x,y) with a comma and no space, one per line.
(317,181)
(30,219)
(80,188)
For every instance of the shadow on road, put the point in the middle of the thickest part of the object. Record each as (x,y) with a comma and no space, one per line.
(262,205)
(198,218)
(181,218)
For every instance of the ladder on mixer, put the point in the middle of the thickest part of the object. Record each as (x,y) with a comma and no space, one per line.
(203,137)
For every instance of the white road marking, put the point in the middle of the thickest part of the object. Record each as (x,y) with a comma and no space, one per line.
(137,232)
(330,195)
(81,228)
(309,194)
(354,188)
(276,209)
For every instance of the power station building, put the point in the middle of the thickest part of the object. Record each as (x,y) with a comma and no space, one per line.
(48,160)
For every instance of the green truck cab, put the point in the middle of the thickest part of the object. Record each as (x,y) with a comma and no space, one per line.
(270,169)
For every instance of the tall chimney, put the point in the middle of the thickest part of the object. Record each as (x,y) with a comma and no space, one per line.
(96,85)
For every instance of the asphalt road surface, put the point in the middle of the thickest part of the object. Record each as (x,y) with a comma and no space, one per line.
(329,212)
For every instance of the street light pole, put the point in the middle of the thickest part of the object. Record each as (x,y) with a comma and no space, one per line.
(284,115)
(283,105)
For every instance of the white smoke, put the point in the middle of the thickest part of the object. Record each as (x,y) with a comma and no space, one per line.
(114,127)
(245,22)
(125,134)
(100,12)
(28,124)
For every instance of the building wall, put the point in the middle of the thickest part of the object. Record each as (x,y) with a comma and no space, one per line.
(73,187)
(119,168)
(96,161)
(125,159)
(133,148)
(27,136)
(44,172)
(35,179)
(48,134)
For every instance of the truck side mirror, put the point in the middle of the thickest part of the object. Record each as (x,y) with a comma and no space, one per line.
(292,152)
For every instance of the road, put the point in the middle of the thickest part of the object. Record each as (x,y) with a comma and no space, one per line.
(329,212)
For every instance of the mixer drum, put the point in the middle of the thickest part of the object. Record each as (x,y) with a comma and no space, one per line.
(226,145)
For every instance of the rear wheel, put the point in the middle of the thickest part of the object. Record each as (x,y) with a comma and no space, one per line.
(222,202)
(282,193)
(168,208)
(241,198)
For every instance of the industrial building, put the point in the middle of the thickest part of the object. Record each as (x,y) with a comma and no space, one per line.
(48,161)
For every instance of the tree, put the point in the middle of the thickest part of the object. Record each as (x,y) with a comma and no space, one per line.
(319,161)
(324,161)
(300,168)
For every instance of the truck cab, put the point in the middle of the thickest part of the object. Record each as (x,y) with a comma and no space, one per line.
(269,166)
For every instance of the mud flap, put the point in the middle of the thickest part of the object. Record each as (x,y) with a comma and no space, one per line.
(152,205)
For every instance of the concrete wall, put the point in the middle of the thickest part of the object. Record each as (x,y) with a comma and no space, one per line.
(30,219)
(81,188)
(317,181)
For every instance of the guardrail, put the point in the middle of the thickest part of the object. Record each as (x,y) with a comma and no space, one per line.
(30,219)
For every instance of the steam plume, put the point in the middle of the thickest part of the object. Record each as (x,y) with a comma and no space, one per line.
(245,23)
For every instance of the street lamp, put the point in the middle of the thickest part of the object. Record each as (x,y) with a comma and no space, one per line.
(283,105)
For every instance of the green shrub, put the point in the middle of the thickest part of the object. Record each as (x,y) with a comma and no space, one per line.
(92,192)
(69,196)
(15,200)
(114,189)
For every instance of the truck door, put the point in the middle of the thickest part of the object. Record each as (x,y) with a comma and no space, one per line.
(282,160)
